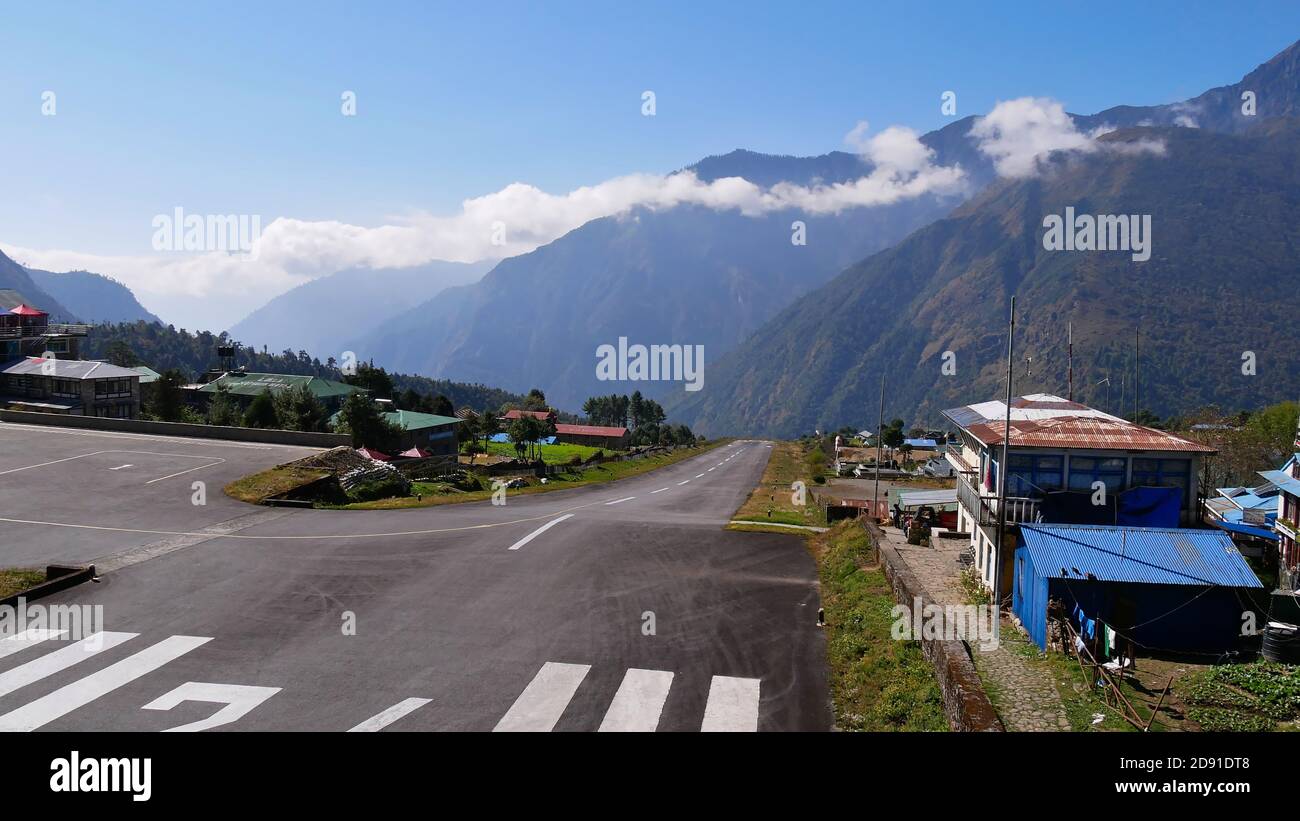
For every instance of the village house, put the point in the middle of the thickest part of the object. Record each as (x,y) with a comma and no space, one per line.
(596,436)
(1069,464)
(245,386)
(27,331)
(75,387)
(1287,481)
(429,433)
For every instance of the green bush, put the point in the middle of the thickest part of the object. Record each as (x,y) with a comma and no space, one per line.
(379,489)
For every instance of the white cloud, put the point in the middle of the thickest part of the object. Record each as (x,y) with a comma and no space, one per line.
(213,290)
(1019,135)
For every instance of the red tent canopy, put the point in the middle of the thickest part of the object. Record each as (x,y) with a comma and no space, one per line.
(416,453)
(371,453)
(27,310)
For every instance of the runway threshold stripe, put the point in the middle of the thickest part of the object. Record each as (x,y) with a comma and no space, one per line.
(638,703)
(732,706)
(542,702)
(539,531)
(59,660)
(620,501)
(28,638)
(381,720)
(42,711)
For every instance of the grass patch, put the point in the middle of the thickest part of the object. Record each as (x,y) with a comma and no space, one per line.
(17,579)
(561,453)
(597,474)
(261,486)
(773,499)
(877,683)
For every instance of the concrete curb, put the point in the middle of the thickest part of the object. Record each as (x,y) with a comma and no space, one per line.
(779,524)
(232,434)
(965,703)
(57,577)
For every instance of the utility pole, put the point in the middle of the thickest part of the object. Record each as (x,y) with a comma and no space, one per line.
(1137,365)
(1069,348)
(880,431)
(1002,470)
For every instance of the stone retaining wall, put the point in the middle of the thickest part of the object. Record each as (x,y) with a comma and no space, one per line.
(965,703)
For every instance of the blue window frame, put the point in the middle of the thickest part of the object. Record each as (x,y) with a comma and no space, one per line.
(1085,470)
(1163,473)
(1033,475)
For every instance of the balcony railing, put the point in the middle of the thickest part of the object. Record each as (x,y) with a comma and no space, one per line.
(984,507)
(52,329)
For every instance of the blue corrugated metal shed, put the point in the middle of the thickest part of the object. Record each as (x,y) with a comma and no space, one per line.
(1282,480)
(1137,554)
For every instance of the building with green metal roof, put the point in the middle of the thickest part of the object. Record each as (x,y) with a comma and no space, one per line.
(245,386)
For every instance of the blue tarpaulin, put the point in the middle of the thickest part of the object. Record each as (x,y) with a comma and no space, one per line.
(1149,507)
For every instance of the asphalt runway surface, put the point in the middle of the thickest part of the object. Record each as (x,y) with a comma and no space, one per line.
(622,606)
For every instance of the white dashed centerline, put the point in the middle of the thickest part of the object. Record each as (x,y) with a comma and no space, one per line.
(699,476)
(381,720)
(620,501)
(660,490)
(539,531)
(679,484)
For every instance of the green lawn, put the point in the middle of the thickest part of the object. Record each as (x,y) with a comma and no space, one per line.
(558,454)
(877,683)
(16,580)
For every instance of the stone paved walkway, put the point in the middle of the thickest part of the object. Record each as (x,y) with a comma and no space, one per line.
(1025,697)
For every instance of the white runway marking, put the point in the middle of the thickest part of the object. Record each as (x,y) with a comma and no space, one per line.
(712,469)
(239,701)
(638,703)
(64,700)
(732,706)
(28,638)
(59,660)
(660,490)
(540,705)
(381,720)
(679,484)
(183,472)
(215,460)
(25,429)
(539,531)
(699,476)
(619,501)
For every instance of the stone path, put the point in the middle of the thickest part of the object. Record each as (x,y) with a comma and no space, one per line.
(1025,697)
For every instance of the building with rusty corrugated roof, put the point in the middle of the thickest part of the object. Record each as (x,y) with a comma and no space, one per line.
(1067,463)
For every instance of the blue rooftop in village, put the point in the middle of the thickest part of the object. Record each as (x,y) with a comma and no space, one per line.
(1145,555)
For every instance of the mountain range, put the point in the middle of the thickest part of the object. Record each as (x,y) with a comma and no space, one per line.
(322,315)
(75,296)
(1221,281)
(695,275)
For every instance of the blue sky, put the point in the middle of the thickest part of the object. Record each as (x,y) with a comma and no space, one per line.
(234,107)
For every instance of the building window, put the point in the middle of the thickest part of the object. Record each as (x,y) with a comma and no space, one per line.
(1162,473)
(112,387)
(66,387)
(1032,475)
(1085,470)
